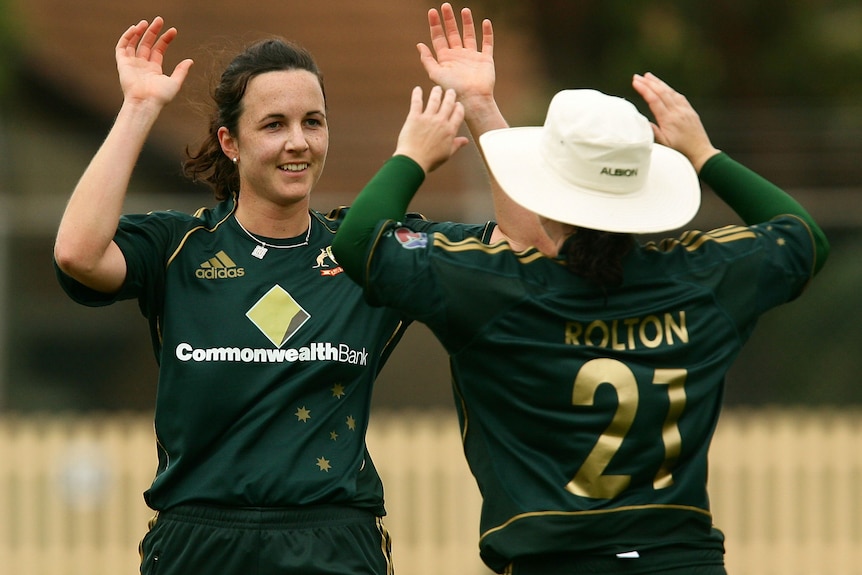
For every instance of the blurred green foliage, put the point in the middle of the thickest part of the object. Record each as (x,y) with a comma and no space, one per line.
(764,50)
(807,352)
(8,46)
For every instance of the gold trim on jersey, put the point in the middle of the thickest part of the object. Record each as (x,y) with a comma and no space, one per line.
(197,228)
(390,343)
(401,327)
(181,244)
(520,516)
(456,386)
(692,240)
(474,244)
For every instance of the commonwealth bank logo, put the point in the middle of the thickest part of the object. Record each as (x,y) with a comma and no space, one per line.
(220,266)
(277,315)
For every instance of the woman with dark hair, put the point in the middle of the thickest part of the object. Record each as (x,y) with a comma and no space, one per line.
(588,375)
(210,163)
(266,351)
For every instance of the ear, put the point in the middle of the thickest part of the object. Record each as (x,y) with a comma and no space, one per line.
(228,143)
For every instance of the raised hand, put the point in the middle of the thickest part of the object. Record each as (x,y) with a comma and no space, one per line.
(140,54)
(429,135)
(459,64)
(677,124)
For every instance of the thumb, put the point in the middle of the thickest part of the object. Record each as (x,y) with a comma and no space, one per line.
(429,62)
(459,142)
(181,70)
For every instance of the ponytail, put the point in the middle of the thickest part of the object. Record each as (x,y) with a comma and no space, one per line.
(597,256)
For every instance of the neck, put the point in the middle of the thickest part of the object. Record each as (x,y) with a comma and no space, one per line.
(275,222)
(558,232)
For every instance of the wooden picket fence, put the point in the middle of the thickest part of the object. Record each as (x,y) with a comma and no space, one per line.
(786,489)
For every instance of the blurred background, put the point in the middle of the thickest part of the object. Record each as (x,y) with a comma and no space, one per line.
(776,82)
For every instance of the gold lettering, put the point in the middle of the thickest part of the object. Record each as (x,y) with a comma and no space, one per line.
(656,323)
(574,329)
(680,329)
(600,326)
(675,381)
(651,331)
(630,330)
(591,480)
(615,340)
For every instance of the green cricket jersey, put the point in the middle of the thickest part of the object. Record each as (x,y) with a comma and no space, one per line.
(265,364)
(586,417)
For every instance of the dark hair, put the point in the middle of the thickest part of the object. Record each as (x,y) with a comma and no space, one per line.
(209,164)
(597,256)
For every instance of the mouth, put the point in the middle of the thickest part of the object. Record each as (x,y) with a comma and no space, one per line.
(293,167)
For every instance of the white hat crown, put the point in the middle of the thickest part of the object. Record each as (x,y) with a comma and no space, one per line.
(597,141)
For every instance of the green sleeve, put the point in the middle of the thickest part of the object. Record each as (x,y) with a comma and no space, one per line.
(756,200)
(385,197)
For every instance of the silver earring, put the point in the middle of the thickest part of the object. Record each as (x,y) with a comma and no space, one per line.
(235,159)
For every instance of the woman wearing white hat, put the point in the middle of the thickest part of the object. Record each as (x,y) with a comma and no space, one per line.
(588,377)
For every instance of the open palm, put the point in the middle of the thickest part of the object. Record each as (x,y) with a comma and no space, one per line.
(459,63)
(140,54)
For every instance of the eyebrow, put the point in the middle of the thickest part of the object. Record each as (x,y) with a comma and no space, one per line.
(280,116)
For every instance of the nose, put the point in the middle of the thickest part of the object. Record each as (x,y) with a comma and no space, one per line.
(296,141)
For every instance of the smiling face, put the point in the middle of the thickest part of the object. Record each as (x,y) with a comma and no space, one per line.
(282,137)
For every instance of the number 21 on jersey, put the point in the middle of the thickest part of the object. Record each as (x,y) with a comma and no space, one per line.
(590,480)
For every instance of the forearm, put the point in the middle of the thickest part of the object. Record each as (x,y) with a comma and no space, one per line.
(520,226)
(756,200)
(386,197)
(93,211)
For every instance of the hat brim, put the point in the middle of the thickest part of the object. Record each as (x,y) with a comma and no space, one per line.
(669,199)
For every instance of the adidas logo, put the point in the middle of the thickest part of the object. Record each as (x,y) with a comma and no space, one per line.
(219,266)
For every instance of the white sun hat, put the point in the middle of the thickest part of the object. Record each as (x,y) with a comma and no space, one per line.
(594,164)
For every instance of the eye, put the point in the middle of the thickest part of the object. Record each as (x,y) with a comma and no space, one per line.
(273,125)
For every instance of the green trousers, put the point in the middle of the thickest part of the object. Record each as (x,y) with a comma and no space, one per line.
(324,540)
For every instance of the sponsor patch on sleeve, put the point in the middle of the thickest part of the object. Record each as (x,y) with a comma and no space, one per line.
(411,240)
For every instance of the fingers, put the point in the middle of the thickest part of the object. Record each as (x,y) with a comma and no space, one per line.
(435,27)
(450,26)
(469,38)
(161,45)
(664,102)
(427,59)
(435,98)
(151,35)
(415,101)
(657,93)
(648,88)
(429,134)
(451,108)
(130,38)
(443,26)
(677,123)
(181,70)
(487,38)
(439,102)
(146,40)
(442,106)
(442,103)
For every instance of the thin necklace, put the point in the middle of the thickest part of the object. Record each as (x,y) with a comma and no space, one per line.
(260,250)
